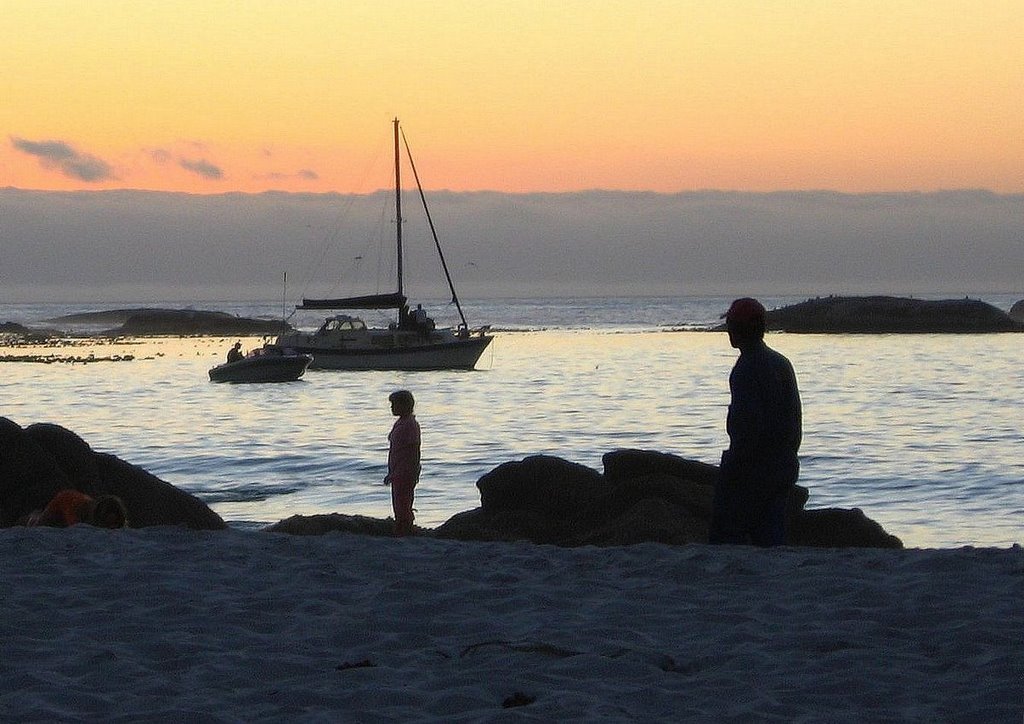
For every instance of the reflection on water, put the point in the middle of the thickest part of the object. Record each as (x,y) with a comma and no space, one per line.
(921,432)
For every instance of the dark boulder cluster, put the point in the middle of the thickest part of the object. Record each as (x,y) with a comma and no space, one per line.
(892,315)
(545,499)
(641,497)
(38,461)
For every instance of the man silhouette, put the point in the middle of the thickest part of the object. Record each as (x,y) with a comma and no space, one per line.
(764,423)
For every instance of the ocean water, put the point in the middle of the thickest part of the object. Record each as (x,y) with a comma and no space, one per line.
(922,432)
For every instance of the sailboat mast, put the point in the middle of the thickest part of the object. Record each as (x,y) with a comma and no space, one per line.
(398,208)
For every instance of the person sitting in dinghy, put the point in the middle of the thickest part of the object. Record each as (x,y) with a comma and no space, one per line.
(235,353)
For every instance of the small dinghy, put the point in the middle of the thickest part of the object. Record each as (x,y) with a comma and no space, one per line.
(269,364)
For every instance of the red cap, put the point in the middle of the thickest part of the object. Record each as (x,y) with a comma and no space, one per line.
(746,311)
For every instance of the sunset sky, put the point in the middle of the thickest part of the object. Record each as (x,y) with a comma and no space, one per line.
(208,96)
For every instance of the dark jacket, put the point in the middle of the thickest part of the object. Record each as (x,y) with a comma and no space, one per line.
(764,422)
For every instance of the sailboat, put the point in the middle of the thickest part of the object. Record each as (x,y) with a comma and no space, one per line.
(411,342)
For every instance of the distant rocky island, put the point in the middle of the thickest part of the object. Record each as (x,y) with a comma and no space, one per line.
(15,330)
(893,315)
(821,315)
(143,322)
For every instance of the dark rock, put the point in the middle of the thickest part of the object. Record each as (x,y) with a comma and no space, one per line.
(29,475)
(467,525)
(41,460)
(624,464)
(695,498)
(1017,312)
(890,315)
(518,699)
(334,523)
(649,520)
(540,482)
(548,500)
(26,334)
(551,501)
(503,525)
(839,528)
(15,329)
(104,317)
(195,322)
(150,500)
(798,497)
(72,454)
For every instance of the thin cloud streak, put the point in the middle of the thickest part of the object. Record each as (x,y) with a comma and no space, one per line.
(303,174)
(203,168)
(65,159)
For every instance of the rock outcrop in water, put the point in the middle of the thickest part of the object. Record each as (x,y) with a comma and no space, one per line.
(13,330)
(195,322)
(890,315)
(641,497)
(143,322)
(42,459)
(1017,312)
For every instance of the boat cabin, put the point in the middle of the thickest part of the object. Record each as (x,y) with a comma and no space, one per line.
(342,323)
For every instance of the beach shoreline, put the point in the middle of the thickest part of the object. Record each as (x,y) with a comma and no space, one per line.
(232,625)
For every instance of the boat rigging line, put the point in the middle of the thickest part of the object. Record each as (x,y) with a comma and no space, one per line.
(433,231)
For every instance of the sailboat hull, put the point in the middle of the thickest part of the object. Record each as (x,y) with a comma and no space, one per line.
(383,350)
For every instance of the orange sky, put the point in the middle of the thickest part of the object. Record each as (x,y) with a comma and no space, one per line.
(210,96)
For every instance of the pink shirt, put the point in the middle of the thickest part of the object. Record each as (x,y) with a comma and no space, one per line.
(404,451)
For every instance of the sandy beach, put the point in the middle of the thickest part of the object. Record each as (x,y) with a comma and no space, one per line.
(165,624)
